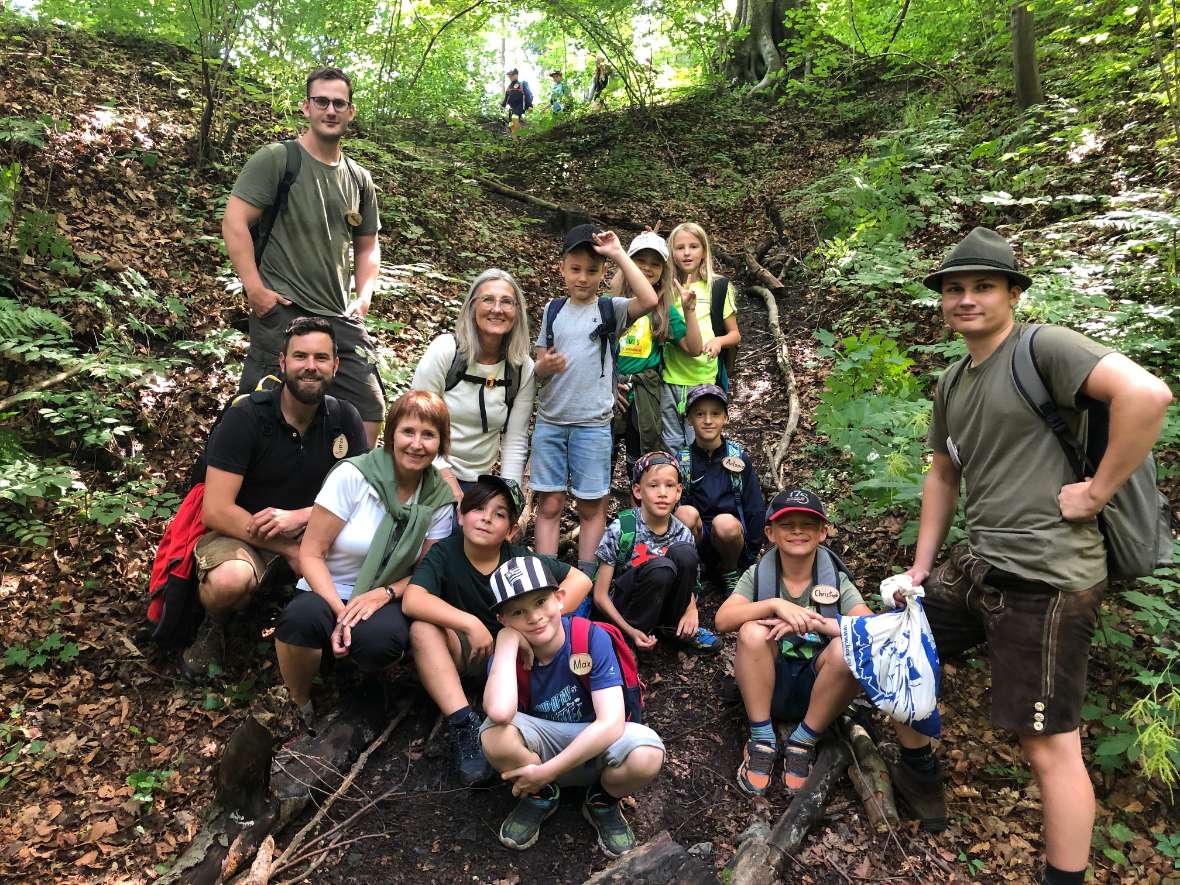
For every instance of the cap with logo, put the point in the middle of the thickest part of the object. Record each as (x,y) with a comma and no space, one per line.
(795,501)
(703,390)
(582,235)
(649,240)
(518,576)
(510,488)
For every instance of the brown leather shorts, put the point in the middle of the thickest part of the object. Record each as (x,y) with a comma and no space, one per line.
(1038,639)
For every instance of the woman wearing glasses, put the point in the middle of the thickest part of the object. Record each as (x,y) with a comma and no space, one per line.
(484,373)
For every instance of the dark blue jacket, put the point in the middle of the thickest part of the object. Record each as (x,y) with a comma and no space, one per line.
(709,487)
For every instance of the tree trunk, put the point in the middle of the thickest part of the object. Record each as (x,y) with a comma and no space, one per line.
(756,58)
(1024,57)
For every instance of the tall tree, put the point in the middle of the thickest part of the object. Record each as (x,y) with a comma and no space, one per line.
(760,28)
(1024,57)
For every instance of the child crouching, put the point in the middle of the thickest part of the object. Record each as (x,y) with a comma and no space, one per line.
(571,730)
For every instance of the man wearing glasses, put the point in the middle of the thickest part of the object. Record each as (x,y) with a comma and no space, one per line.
(305,267)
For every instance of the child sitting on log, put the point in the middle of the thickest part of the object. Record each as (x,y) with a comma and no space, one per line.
(789,663)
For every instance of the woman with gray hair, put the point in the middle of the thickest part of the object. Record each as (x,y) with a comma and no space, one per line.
(485,375)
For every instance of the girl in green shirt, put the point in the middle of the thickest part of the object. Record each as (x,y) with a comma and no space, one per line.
(642,347)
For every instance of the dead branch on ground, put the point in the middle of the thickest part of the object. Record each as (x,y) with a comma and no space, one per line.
(778,454)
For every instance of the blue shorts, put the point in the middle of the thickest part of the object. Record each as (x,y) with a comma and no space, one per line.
(793,680)
(574,458)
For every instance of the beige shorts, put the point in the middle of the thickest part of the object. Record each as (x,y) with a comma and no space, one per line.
(214,548)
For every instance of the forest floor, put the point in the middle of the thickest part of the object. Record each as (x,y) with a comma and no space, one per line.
(109,755)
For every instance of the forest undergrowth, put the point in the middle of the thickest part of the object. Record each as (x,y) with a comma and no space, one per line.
(121,341)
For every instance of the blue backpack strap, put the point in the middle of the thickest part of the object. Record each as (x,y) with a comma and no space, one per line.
(684,459)
(766,576)
(627,526)
(551,311)
(607,332)
(733,450)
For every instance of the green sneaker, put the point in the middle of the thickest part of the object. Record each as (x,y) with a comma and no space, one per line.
(615,837)
(522,827)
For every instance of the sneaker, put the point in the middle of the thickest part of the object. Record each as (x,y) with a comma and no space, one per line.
(729,580)
(797,762)
(471,766)
(923,793)
(702,642)
(207,651)
(757,766)
(615,836)
(522,827)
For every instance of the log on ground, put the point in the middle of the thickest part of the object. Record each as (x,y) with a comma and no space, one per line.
(658,861)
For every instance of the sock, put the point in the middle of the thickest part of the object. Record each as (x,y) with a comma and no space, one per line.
(588,567)
(763,732)
(1054,876)
(803,736)
(459,717)
(920,760)
(596,795)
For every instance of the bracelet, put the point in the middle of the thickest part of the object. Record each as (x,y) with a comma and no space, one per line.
(388,593)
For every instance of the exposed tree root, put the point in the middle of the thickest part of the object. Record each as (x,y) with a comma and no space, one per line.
(658,861)
(870,776)
(568,216)
(777,453)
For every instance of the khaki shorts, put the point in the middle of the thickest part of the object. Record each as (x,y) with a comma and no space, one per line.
(1038,639)
(214,548)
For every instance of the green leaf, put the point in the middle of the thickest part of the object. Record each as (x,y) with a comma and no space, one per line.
(1120,832)
(1114,744)
(68,653)
(16,656)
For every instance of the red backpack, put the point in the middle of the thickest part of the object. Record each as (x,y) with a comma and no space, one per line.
(580,645)
(174,609)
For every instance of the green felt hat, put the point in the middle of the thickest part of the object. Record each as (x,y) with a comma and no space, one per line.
(982,249)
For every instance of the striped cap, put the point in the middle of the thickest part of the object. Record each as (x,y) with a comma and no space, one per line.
(518,576)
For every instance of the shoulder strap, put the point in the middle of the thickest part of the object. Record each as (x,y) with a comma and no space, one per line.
(733,450)
(627,526)
(333,413)
(954,373)
(457,368)
(684,458)
(266,224)
(766,577)
(512,376)
(1031,387)
(717,304)
(580,643)
(828,568)
(551,311)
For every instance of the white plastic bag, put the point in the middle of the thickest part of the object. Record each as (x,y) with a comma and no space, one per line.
(894,657)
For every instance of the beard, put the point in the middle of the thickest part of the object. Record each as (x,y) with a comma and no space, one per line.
(303,394)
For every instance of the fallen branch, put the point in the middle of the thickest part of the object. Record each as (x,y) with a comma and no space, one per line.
(658,861)
(260,869)
(568,215)
(53,380)
(760,273)
(778,454)
(870,776)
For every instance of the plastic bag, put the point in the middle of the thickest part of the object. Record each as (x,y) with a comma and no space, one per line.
(894,657)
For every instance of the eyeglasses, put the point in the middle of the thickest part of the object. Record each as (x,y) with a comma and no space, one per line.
(322,102)
(506,302)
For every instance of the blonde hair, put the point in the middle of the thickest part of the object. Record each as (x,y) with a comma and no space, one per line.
(514,348)
(708,274)
(660,324)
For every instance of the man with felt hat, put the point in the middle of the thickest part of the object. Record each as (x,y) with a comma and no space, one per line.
(1029,579)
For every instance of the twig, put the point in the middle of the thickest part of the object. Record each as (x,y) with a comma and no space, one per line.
(53,380)
(779,453)
(320,854)
(344,785)
(765,277)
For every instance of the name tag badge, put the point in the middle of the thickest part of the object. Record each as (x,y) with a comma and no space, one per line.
(580,664)
(953,451)
(733,464)
(825,594)
(339,447)
(353,218)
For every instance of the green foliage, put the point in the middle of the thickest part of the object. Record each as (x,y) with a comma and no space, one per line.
(146,783)
(52,649)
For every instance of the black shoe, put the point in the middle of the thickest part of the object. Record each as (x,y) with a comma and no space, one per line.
(923,793)
(203,658)
(470,764)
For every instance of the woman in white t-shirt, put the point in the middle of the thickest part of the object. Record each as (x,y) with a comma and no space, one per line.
(484,373)
(374,519)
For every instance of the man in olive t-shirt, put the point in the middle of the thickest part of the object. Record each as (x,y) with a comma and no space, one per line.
(1030,578)
(305,268)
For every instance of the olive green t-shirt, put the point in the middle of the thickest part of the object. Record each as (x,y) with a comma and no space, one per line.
(689,371)
(307,257)
(1012,465)
(811,643)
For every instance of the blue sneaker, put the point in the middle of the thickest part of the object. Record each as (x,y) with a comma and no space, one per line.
(703,642)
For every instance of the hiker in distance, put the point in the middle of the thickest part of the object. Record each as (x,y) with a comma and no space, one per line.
(296,209)
(1032,573)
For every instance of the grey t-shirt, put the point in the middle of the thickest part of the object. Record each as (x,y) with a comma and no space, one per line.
(583,395)
(647,543)
(307,257)
(1013,467)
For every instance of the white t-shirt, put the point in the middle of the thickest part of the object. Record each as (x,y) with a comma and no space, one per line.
(472,451)
(349,496)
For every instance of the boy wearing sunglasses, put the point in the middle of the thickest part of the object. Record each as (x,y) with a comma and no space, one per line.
(296,210)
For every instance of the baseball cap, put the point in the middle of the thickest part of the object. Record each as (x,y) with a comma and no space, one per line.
(649,240)
(703,390)
(518,576)
(511,490)
(795,501)
(581,235)
(646,462)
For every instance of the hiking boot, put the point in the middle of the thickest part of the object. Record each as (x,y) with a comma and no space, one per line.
(702,642)
(615,836)
(206,652)
(757,766)
(470,764)
(797,762)
(923,793)
(522,827)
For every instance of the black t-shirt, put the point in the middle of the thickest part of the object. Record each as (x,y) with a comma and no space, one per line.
(447,573)
(279,468)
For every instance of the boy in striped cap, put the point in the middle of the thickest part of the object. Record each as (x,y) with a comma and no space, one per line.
(560,720)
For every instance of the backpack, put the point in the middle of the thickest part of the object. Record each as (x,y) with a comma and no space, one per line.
(827,570)
(260,231)
(580,645)
(606,333)
(528,94)
(458,372)
(727,359)
(732,450)
(628,521)
(1136,524)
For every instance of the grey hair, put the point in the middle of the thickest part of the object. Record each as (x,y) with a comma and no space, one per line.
(515,348)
